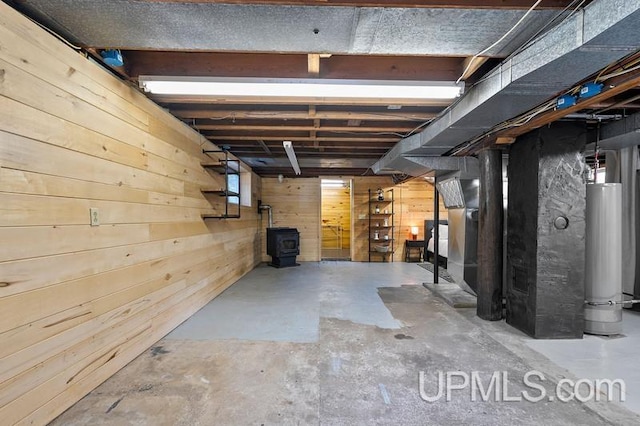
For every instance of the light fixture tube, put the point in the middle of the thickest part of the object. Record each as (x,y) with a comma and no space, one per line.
(300,88)
(288,147)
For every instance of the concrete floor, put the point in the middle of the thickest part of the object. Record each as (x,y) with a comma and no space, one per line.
(332,343)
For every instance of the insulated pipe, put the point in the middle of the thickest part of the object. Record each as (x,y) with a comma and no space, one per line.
(270,212)
(611,303)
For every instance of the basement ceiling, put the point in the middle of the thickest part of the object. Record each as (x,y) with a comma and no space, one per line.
(348,39)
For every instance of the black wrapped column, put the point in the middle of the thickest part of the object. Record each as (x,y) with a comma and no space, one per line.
(546,228)
(490,236)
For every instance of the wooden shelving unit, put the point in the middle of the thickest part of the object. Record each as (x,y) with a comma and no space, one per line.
(384,233)
(230,193)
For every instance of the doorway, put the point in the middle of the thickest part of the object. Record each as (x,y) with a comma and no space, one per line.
(336,219)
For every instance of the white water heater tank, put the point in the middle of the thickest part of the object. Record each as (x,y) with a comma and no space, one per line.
(603,275)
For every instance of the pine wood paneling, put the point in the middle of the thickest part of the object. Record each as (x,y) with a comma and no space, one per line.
(78,302)
(413,204)
(336,211)
(295,204)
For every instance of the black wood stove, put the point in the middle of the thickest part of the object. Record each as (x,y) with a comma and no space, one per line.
(283,245)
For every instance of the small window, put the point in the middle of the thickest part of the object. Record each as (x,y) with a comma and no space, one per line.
(245,185)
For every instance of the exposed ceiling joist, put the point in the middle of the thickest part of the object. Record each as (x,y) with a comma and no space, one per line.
(291,65)
(301,115)
(313,65)
(264,147)
(275,128)
(302,138)
(277,145)
(258,100)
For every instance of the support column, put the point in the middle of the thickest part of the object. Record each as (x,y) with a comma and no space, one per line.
(490,226)
(436,233)
(546,232)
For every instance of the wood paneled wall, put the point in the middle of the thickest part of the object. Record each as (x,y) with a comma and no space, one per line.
(295,204)
(413,204)
(336,212)
(77,302)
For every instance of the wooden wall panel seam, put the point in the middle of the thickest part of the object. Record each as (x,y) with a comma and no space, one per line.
(28,274)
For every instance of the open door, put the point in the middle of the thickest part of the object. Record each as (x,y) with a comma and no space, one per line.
(336,219)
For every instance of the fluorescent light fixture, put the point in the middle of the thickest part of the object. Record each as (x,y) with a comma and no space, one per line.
(333,183)
(300,88)
(288,147)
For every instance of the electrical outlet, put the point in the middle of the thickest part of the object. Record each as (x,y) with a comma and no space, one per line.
(95,217)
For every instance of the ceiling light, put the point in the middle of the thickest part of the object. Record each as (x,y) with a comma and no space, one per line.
(288,147)
(333,183)
(300,88)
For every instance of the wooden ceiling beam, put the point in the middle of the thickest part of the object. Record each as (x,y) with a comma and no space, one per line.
(300,138)
(313,65)
(276,65)
(277,147)
(270,171)
(277,128)
(464,4)
(309,151)
(301,115)
(264,146)
(290,100)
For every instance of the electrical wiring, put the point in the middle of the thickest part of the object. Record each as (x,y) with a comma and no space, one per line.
(549,24)
(535,37)
(417,128)
(619,73)
(517,122)
(505,35)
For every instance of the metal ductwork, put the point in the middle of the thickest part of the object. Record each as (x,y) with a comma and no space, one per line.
(603,32)
(621,141)
(434,166)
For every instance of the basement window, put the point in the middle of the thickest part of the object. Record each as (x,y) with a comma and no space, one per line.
(245,186)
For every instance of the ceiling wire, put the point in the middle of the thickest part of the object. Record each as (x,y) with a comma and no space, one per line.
(549,24)
(547,27)
(505,35)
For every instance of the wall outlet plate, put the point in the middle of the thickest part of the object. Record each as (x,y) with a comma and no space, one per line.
(95,217)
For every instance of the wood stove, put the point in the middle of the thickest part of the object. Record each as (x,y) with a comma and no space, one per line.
(283,245)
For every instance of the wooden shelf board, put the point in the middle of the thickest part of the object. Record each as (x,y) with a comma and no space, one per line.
(220,192)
